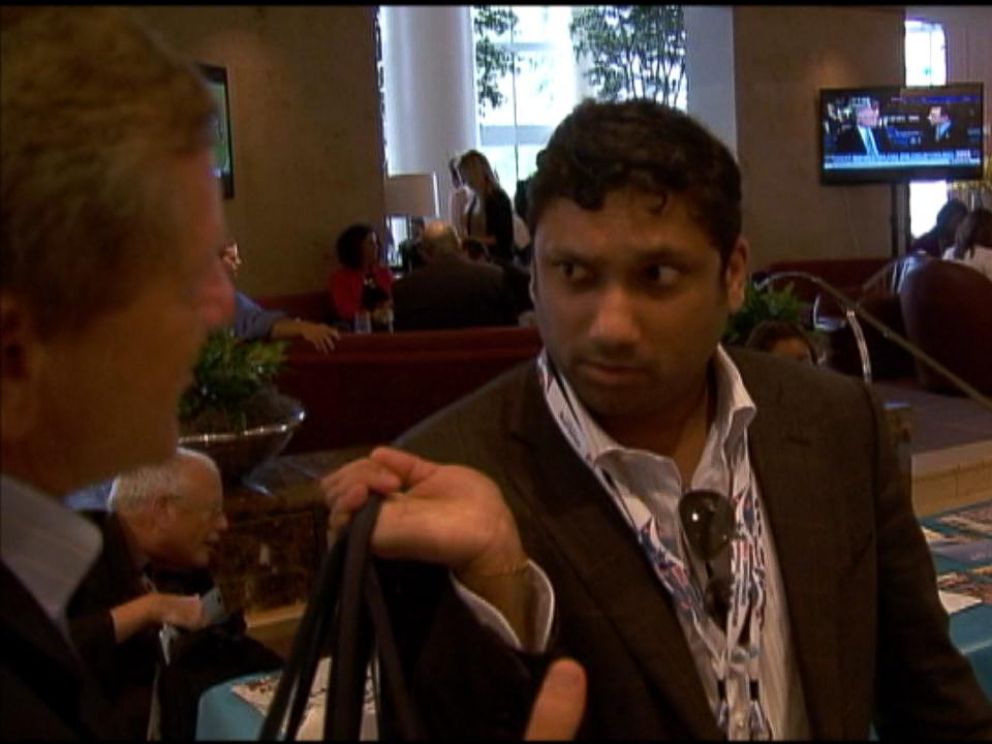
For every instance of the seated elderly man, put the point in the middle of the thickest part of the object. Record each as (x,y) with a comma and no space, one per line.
(450,290)
(162,524)
(251,321)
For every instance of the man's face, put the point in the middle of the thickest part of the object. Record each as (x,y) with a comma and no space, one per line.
(194,520)
(867,115)
(631,301)
(231,257)
(370,251)
(109,393)
(937,115)
(792,348)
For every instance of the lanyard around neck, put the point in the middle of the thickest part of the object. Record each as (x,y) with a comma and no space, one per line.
(734,650)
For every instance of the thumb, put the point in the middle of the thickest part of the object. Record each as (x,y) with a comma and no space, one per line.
(560,703)
(410,468)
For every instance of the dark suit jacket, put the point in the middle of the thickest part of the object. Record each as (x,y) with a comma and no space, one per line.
(868,632)
(956,136)
(499,223)
(849,141)
(44,692)
(452,292)
(126,670)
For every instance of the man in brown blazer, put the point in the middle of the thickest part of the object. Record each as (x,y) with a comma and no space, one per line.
(721,538)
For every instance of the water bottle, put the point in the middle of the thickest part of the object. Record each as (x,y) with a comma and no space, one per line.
(363,322)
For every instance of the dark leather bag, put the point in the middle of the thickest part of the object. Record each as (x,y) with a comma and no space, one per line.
(347,613)
(202,659)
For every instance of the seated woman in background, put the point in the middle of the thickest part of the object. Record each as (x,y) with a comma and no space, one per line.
(252,321)
(784,339)
(973,242)
(361,282)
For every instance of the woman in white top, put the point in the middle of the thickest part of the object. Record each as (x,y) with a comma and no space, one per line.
(457,200)
(973,242)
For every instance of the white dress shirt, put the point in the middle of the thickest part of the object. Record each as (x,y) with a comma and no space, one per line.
(650,485)
(47,546)
(980,259)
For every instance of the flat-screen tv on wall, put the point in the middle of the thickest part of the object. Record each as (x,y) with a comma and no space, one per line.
(216,78)
(894,134)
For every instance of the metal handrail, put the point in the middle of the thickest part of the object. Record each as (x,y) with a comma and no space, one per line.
(893,267)
(853,311)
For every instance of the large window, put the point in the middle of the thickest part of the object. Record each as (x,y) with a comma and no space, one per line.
(540,90)
(926,64)
(545,81)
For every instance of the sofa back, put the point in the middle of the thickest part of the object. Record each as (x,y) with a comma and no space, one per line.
(947,309)
(373,387)
(315,306)
(845,274)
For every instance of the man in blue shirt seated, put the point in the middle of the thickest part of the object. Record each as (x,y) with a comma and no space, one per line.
(251,321)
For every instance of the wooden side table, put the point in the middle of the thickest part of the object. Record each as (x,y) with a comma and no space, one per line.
(271,553)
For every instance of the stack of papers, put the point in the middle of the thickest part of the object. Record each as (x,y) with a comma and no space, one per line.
(259,691)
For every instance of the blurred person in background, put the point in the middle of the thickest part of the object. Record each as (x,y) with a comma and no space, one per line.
(973,242)
(251,321)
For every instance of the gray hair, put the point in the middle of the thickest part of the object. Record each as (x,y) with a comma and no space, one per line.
(96,111)
(135,490)
(439,239)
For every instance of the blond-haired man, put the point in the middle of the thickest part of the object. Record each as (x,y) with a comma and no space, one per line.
(110,281)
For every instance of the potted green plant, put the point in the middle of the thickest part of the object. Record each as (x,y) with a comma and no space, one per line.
(760,305)
(232,410)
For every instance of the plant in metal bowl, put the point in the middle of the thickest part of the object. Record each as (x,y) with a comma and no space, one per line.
(232,411)
(760,305)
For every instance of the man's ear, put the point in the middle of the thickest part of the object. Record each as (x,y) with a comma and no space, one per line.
(20,358)
(735,275)
(162,510)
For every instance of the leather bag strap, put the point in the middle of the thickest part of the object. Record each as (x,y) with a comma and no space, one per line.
(348,607)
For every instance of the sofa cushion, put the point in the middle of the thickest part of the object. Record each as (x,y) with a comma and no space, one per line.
(947,310)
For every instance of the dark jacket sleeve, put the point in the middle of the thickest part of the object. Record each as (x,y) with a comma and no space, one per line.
(465,681)
(93,635)
(925,687)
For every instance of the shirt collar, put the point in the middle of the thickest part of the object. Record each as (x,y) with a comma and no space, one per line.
(46,545)
(734,411)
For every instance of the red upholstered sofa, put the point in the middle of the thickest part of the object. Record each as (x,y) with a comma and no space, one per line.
(947,309)
(373,387)
(315,306)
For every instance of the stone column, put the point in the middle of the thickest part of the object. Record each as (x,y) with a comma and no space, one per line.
(429,89)
(709,70)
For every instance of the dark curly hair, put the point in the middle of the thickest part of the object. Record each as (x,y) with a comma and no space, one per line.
(602,147)
(349,245)
(767,333)
(975,229)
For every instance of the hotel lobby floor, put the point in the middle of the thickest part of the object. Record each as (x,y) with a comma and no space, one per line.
(950,448)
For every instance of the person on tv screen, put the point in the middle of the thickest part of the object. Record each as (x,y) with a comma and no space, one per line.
(864,136)
(944,132)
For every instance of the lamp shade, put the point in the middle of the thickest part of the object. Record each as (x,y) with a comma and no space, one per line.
(411,195)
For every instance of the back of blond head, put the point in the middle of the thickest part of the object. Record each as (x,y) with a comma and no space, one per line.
(95,112)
